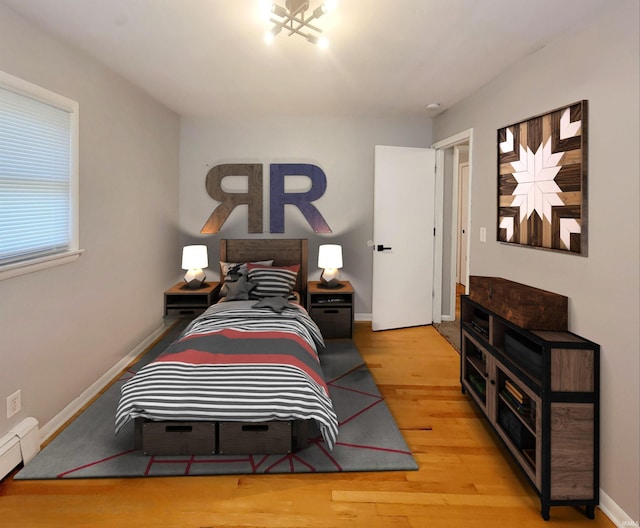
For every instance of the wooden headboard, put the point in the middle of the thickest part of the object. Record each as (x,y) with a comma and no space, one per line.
(284,252)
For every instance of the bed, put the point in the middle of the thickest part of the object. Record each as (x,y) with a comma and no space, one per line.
(244,377)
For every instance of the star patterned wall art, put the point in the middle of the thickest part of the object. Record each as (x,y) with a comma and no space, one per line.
(542,181)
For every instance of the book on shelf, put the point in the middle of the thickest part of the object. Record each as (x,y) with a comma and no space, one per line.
(478,383)
(523,409)
(515,391)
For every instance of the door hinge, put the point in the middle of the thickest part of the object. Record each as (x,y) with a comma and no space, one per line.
(434,231)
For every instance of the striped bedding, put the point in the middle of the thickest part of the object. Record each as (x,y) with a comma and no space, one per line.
(236,363)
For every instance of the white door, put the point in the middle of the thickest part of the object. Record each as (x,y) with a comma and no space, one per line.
(403,231)
(463,210)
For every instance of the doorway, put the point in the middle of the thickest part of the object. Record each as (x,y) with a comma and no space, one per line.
(453,184)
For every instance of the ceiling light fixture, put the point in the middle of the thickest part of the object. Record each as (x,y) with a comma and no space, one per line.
(293,19)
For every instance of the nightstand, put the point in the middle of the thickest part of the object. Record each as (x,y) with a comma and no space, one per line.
(182,301)
(331,309)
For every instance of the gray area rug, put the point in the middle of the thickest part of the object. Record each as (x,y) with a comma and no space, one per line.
(450,330)
(368,439)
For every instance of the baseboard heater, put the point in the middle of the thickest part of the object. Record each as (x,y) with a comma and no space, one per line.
(20,444)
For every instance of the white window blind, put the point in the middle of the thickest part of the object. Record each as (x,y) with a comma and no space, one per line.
(37,177)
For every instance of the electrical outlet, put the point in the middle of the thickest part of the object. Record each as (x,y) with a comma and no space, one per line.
(483,234)
(14,404)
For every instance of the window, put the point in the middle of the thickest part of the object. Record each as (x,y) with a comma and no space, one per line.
(38,178)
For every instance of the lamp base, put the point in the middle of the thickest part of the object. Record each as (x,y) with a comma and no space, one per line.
(194,285)
(333,284)
(194,279)
(329,278)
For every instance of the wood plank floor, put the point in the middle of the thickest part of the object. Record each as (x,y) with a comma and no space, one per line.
(465,479)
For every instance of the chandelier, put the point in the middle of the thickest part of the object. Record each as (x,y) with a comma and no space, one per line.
(294,20)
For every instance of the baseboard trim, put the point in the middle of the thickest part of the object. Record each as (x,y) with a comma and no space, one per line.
(615,513)
(53,425)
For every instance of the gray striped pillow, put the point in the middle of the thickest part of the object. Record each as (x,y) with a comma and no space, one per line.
(272,281)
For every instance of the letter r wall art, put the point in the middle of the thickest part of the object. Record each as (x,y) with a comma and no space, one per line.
(254,196)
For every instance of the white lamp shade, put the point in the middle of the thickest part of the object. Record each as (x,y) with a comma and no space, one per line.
(330,256)
(194,257)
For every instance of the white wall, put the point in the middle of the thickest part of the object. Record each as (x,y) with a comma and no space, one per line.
(62,328)
(598,63)
(342,147)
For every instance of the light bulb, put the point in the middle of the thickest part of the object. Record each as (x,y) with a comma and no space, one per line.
(264,9)
(322,43)
(270,35)
(330,5)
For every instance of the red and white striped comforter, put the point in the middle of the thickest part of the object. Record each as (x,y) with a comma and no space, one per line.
(236,363)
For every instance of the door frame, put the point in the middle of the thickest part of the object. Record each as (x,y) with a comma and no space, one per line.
(462,202)
(465,137)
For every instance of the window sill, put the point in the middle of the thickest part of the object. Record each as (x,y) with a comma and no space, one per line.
(22,268)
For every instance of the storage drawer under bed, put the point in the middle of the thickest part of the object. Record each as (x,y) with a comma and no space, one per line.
(166,438)
(259,438)
(177,438)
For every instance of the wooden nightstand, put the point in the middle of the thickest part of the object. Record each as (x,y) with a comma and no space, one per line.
(331,309)
(182,301)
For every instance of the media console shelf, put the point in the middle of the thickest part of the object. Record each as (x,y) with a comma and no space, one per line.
(537,384)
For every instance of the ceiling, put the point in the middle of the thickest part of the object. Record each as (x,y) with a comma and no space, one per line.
(386,57)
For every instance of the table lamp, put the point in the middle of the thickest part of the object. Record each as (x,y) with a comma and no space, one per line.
(330,260)
(194,258)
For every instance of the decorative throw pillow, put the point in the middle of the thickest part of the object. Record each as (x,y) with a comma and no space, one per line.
(236,290)
(239,267)
(234,273)
(277,304)
(272,281)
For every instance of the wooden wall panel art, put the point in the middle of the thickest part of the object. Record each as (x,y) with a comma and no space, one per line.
(542,181)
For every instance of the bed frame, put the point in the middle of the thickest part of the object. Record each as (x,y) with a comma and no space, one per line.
(178,438)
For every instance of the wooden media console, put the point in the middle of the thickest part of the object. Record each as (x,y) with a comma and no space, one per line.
(537,384)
